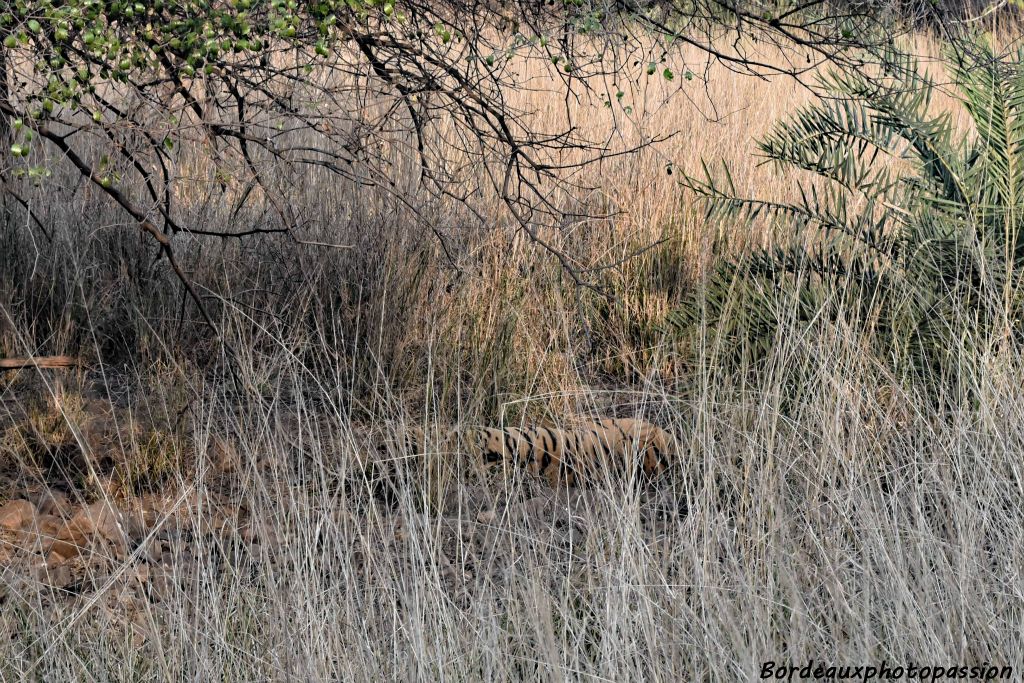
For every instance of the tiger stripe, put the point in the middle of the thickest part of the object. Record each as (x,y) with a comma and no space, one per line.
(574,456)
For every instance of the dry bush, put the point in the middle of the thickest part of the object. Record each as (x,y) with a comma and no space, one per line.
(836,526)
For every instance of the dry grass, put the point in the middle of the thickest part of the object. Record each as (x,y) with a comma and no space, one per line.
(841,522)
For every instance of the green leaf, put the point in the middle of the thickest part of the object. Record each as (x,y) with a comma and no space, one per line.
(900,220)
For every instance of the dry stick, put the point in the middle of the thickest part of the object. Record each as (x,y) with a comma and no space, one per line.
(39,362)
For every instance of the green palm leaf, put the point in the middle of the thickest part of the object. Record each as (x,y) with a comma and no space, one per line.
(901,220)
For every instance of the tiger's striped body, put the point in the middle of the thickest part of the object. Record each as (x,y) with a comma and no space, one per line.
(570,457)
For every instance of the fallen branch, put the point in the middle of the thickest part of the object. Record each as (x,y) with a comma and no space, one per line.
(48,362)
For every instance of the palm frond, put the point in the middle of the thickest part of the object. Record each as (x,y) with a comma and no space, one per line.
(901,222)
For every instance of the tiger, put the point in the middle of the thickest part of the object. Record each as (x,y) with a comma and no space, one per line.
(569,457)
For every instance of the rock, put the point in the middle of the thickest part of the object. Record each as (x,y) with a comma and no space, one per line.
(16,514)
(487,517)
(100,519)
(256,532)
(54,559)
(41,533)
(225,458)
(69,543)
(154,550)
(56,576)
(162,585)
(48,526)
(52,502)
(150,509)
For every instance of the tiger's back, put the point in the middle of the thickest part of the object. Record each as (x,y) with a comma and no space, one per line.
(611,446)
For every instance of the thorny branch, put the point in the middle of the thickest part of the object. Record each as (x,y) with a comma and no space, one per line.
(289,109)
